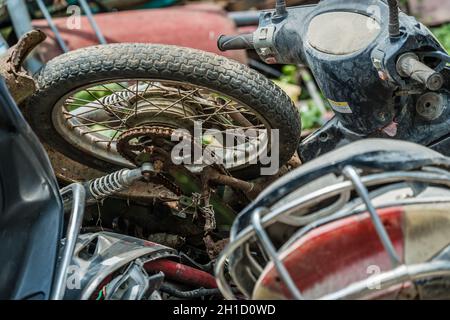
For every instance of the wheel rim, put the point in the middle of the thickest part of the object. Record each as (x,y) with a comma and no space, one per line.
(91,118)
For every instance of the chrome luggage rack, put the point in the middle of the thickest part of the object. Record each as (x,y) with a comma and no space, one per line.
(379,182)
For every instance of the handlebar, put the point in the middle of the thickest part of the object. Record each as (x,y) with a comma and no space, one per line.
(409,65)
(236,42)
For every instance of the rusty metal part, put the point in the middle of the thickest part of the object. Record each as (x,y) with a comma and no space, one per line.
(239,118)
(245,186)
(133,152)
(68,171)
(170,240)
(190,184)
(19,83)
(167,183)
(158,165)
(214,248)
(207,210)
(215,174)
(206,189)
(210,220)
(249,188)
(294,162)
(130,151)
(139,153)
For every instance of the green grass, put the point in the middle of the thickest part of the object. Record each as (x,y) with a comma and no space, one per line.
(443,35)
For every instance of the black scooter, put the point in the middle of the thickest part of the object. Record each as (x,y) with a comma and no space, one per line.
(384,73)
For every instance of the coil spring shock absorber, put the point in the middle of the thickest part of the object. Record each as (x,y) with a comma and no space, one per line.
(110,184)
(103,187)
(121,98)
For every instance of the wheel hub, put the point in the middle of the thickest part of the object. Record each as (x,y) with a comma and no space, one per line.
(160,112)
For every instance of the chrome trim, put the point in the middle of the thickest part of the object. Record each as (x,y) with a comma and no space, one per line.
(351,174)
(73,228)
(272,252)
(387,279)
(307,200)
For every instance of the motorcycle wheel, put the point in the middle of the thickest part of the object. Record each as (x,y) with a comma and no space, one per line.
(71,111)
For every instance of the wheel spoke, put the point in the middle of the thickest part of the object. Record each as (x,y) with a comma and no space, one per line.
(97,106)
(101,123)
(136,99)
(182,104)
(116,106)
(121,100)
(91,122)
(214,114)
(106,107)
(101,130)
(112,139)
(140,97)
(178,101)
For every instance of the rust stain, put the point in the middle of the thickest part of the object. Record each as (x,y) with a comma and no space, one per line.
(20,84)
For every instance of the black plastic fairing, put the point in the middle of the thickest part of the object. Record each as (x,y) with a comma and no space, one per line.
(30,208)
